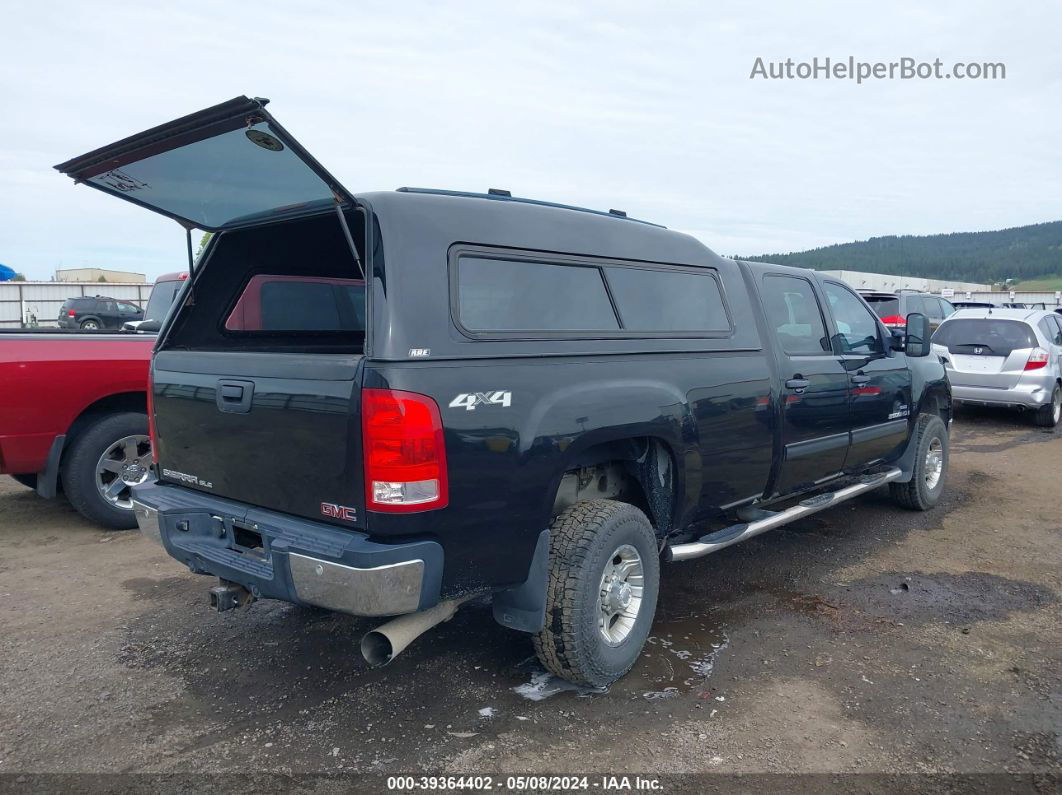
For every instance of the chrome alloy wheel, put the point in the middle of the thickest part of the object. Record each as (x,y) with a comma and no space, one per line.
(620,594)
(1056,411)
(125,463)
(934,463)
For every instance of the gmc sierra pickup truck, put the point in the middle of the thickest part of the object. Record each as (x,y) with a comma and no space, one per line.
(387,403)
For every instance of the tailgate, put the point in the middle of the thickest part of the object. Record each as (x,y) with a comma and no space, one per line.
(1001,372)
(277,430)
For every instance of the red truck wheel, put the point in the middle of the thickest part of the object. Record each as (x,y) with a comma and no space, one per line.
(103,463)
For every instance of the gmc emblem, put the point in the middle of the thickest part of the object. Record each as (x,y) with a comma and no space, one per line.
(334,511)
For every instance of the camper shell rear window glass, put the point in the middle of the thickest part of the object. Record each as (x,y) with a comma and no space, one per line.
(495,294)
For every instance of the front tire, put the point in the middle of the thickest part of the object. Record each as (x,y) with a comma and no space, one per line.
(1049,415)
(604,578)
(926,485)
(101,465)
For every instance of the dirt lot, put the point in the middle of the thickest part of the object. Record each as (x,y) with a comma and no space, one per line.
(863,639)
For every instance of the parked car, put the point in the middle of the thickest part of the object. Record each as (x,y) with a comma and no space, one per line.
(893,308)
(97,312)
(1025,305)
(163,294)
(73,418)
(529,401)
(1006,357)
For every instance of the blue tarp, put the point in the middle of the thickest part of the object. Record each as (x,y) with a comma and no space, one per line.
(6,274)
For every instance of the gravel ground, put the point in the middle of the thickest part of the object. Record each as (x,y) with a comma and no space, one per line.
(864,639)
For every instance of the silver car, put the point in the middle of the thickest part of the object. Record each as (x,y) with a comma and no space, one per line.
(1005,357)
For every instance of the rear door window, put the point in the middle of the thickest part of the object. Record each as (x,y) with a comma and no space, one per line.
(914,303)
(1057,321)
(933,311)
(659,300)
(498,295)
(794,313)
(1049,327)
(985,336)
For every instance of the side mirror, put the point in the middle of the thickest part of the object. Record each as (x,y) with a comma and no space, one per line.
(149,327)
(918,335)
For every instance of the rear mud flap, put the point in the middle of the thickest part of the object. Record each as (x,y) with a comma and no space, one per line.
(523,607)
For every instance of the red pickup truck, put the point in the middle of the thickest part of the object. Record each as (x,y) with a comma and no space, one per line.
(73,417)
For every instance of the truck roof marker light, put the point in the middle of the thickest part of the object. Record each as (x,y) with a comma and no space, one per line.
(405,453)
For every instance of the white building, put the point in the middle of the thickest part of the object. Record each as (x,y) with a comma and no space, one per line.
(889,283)
(97,274)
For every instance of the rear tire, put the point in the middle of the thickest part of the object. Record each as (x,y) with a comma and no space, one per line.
(1049,415)
(82,460)
(926,485)
(29,481)
(604,578)
(90,325)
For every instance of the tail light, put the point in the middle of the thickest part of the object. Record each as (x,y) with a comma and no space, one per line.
(1037,359)
(70,313)
(894,321)
(405,457)
(151,418)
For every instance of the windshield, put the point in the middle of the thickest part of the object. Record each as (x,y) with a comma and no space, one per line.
(985,336)
(162,295)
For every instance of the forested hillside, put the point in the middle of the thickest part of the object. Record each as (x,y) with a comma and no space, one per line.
(1020,253)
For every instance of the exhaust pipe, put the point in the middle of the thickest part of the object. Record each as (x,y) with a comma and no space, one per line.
(387,641)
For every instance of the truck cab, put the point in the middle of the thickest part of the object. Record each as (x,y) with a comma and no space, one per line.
(386,404)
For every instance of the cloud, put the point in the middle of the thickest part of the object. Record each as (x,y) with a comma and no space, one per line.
(643,107)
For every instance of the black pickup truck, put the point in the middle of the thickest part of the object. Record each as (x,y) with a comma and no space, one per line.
(387,403)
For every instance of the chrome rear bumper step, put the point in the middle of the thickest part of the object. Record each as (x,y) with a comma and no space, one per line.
(734,534)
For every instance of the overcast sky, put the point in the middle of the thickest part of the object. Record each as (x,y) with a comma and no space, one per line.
(647,107)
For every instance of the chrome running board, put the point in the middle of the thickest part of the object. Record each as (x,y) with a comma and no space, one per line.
(734,534)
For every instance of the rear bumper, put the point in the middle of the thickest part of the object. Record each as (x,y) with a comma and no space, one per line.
(277,556)
(1030,393)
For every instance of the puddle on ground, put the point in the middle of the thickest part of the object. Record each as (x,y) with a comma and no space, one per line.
(678,657)
(543,684)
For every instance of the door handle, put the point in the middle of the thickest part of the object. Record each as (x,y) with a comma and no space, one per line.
(797,384)
(860,378)
(231,392)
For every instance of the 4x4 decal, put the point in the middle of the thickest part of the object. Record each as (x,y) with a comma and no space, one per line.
(469,400)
